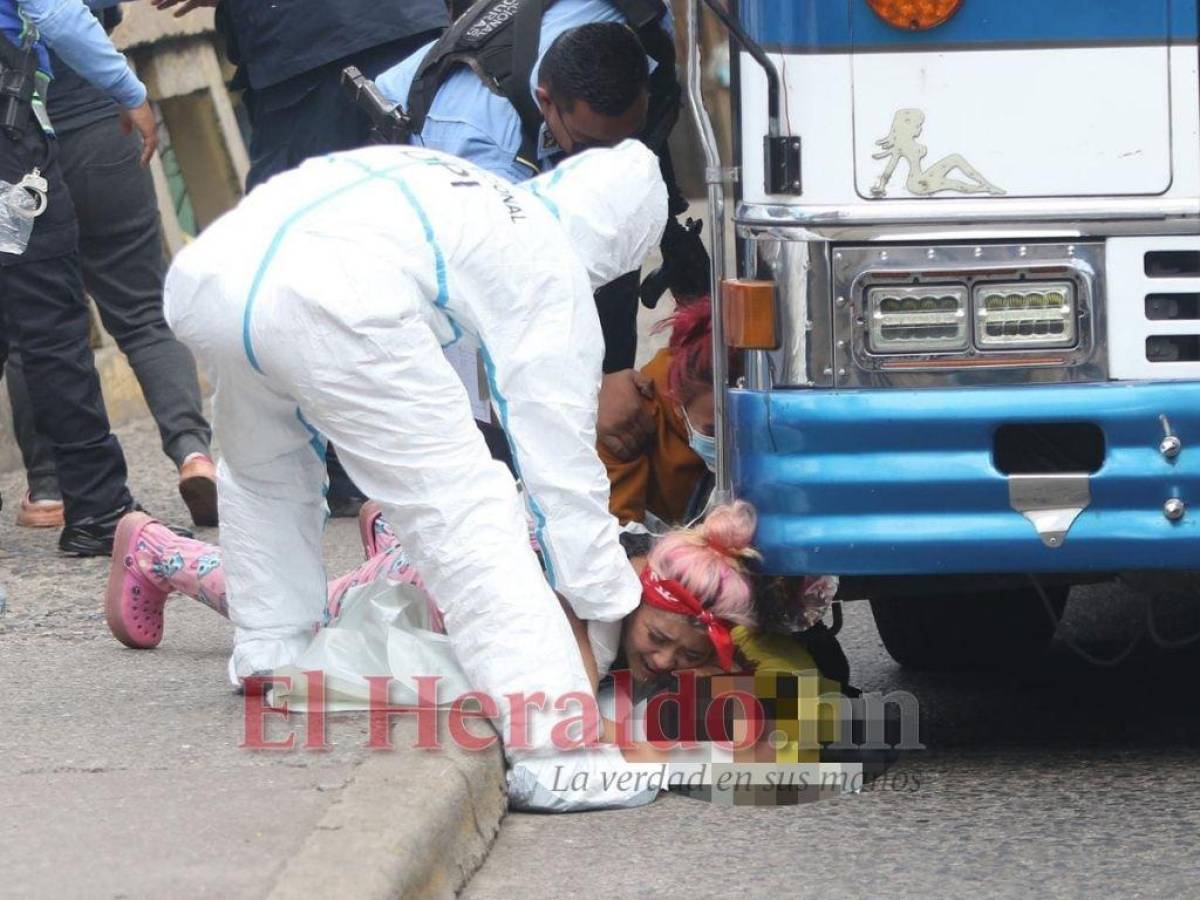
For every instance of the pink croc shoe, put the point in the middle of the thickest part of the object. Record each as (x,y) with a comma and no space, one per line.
(133,603)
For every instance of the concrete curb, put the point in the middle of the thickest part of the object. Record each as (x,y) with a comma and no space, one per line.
(410,823)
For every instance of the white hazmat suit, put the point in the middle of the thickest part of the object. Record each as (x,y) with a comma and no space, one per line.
(319,307)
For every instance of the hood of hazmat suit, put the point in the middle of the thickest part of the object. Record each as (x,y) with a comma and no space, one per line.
(611,227)
(318,309)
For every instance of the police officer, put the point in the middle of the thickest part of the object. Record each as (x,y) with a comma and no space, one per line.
(121,253)
(516,86)
(41,290)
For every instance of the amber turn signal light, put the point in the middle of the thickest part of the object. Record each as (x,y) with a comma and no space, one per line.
(748,313)
(915,15)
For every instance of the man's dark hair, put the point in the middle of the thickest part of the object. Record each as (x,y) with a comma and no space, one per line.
(602,63)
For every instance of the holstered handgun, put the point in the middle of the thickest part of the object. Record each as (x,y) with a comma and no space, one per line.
(18,79)
(388,124)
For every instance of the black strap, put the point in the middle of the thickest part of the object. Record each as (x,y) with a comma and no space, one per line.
(424,87)
(527,33)
(434,66)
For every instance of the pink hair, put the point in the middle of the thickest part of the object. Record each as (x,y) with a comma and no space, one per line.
(710,561)
(689,374)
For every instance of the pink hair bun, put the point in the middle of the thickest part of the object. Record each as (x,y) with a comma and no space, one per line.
(710,561)
(730,529)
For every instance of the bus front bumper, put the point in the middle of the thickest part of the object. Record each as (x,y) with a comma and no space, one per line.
(904,482)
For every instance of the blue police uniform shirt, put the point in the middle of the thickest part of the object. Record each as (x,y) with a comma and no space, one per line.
(69,28)
(468,120)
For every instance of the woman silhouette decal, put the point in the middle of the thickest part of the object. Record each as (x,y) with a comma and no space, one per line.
(901,143)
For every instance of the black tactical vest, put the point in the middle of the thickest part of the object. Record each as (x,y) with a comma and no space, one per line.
(498,40)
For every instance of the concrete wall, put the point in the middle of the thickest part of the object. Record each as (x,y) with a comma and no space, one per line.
(143,25)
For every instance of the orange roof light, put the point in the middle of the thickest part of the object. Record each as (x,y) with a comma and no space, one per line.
(915,15)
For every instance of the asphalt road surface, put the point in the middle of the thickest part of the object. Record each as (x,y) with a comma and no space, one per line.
(1058,780)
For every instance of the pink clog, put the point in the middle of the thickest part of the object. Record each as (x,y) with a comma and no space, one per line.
(133,603)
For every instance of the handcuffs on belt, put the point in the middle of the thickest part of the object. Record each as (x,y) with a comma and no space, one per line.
(35,184)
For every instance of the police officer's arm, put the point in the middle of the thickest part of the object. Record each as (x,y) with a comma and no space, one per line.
(70,30)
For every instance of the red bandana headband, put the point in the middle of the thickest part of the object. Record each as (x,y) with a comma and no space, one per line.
(675,598)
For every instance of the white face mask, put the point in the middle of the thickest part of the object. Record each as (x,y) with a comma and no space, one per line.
(704,446)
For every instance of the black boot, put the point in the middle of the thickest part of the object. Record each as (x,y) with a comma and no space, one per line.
(93,536)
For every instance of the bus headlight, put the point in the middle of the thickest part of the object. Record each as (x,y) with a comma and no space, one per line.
(1024,314)
(924,319)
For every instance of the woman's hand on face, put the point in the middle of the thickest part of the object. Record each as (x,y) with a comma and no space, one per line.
(623,425)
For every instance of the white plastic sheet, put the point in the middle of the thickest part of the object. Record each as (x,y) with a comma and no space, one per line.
(383,630)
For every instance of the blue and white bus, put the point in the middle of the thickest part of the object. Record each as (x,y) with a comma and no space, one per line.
(967,305)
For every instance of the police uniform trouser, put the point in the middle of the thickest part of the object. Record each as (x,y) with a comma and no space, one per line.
(121,252)
(46,314)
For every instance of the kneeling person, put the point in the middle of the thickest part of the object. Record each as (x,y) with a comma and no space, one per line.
(319,308)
